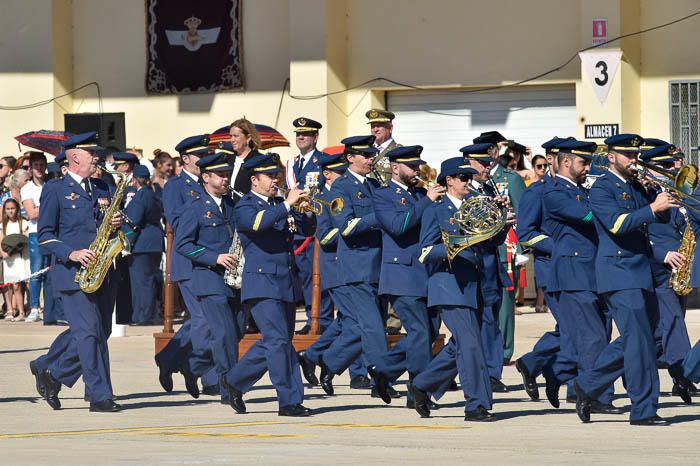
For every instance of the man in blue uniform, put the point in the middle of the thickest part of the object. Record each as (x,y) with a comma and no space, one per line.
(145,234)
(453,286)
(305,167)
(194,333)
(359,261)
(204,234)
(71,212)
(268,288)
(333,167)
(581,312)
(493,276)
(623,209)
(399,207)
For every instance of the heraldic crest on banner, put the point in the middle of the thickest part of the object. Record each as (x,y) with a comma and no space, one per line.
(193,47)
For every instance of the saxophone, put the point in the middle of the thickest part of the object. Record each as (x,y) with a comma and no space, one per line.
(234,277)
(680,278)
(106,247)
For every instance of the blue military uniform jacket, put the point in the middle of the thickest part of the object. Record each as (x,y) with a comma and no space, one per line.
(360,243)
(327,235)
(203,233)
(569,218)
(532,232)
(399,213)
(177,194)
(268,248)
(300,175)
(455,284)
(145,211)
(622,214)
(663,238)
(68,221)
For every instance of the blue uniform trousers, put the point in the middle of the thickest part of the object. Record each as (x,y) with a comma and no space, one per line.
(547,346)
(492,340)
(143,269)
(691,364)
(305,264)
(412,353)
(124,309)
(53,309)
(172,357)
(357,367)
(200,360)
(463,355)
(273,352)
(364,331)
(671,331)
(226,324)
(632,354)
(88,340)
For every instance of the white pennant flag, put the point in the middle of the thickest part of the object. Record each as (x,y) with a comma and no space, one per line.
(600,68)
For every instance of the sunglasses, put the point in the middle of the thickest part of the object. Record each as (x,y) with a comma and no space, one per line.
(464,177)
(26,167)
(540,166)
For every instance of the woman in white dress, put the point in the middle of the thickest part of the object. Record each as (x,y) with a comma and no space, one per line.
(16,265)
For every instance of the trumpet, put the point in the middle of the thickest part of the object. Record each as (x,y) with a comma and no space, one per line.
(427,175)
(683,181)
(316,205)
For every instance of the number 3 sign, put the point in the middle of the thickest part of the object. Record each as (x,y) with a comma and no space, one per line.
(600,68)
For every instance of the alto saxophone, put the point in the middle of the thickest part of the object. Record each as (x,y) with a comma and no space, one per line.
(106,246)
(680,278)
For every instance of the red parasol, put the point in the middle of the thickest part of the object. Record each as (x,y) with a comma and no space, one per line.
(44,140)
(334,150)
(269,137)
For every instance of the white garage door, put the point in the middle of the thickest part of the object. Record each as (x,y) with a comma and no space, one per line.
(443,121)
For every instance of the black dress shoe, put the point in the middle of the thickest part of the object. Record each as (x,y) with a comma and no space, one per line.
(681,387)
(211,390)
(165,378)
(308,368)
(479,415)
(294,411)
(393,393)
(411,404)
(51,388)
(693,390)
(498,387)
(599,408)
(381,384)
(360,382)
(303,331)
(651,421)
(34,369)
(235,398)
(106,406)
(552,391)
(190,383)
(452,387)
(583,404)
(420,401)
(529,382)
(326,378)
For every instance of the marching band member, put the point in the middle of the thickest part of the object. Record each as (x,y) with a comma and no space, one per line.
(399,207)
(454,289)
(268,289)
(204,234)
(622,209)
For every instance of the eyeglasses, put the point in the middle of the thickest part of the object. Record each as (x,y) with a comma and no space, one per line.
(26,167)
(464,177)
(541,166)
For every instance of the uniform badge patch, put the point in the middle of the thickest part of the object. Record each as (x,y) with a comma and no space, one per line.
(398,190)
(452,221)
(72,197)
(103,202)
(193,193)
(209,214)
(579,197)
(625,196)
(360,195)
(403,201)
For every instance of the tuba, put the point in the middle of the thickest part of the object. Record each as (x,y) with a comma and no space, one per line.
(106,246)
(479,218)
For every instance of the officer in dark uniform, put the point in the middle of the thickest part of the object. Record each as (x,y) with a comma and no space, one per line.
(333,167)
(194,333)
(268,288)
(623,209)
(145,234)
(581,312)
(303,167)
(453,287)
(71,212)
(493,276)
(204,234)
(399,207)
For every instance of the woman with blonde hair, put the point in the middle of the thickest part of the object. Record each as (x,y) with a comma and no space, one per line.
(245,141)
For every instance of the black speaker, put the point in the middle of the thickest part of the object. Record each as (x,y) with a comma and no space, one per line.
(111,132)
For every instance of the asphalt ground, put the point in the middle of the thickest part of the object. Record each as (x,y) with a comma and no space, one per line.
(350,428)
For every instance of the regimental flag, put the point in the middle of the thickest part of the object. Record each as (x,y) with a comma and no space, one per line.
(193,47)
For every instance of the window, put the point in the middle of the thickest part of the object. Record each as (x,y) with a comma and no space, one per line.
(685,125)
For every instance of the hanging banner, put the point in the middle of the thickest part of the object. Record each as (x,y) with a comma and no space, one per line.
(193,46)
(600,67)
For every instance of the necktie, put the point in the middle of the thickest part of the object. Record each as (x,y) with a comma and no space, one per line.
(298,167)
(271,200)
(223,209)
(366,183)
(86,187)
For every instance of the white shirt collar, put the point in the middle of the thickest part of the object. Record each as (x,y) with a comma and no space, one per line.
(567,179)
(457,202)
(360,178)
(384,145)
(617,175)
(493,170)
(402,186)
(328,187)
(306,157)
(476,184)
(264,198)
(78,179)
(194,178)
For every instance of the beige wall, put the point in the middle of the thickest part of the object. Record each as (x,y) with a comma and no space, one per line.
(50,46)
